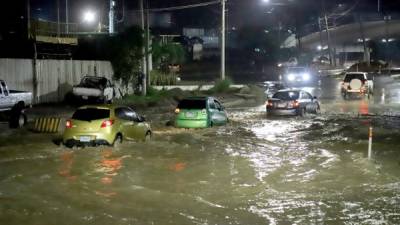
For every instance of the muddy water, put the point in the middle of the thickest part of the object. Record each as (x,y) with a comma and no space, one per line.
(253,171)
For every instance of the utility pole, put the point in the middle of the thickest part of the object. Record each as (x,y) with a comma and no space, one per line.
(379,6)
(387,19)
(148,78)
(111,17)
(366,50)
(28,17)
(58,18)
(329,39)
(144,72)
(223,41)
(66,17)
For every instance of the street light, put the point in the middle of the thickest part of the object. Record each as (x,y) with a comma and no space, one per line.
(89,16)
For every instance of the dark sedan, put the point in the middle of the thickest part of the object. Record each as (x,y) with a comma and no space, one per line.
(292,102)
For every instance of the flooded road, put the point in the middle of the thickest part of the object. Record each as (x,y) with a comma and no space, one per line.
(255,170)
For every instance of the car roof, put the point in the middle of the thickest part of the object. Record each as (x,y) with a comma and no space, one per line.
(290,89)
(101,106)
(197,98)
(362,73)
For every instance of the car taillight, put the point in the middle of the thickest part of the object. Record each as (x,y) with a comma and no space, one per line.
(107,123)
(177,110)
(269,103)
(294,104)
(68,124)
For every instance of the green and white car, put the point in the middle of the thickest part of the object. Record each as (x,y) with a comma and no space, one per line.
(200,112)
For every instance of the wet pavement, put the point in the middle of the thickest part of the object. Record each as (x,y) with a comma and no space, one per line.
(311,170)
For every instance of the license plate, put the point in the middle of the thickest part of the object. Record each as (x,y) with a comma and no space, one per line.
(84,138)
(281,105)
(190,114)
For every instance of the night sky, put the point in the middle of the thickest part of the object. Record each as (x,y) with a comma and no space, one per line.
(241,12)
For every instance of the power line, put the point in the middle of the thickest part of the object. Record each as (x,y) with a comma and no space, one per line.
(186,6)
(182,6)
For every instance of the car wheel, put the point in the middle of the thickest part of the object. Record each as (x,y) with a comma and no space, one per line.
(18,120)
(317,109)
(117,141)
(147,138)
(69,144)
(302,112)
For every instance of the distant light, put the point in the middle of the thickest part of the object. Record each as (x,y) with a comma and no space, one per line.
(89,16)
(306,76)
(113,3)
(266,1)
(384,40)
(257,50)
(291,77)
(266,31)
(319,47)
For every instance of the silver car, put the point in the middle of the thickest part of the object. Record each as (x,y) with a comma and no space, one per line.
(292,102)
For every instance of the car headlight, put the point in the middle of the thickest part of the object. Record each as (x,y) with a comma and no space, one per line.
(306,76)
(291,77)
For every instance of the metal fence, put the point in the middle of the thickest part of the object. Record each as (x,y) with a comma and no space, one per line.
(55,78)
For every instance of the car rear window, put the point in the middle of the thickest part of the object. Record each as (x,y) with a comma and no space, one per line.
(286,95)
(89,114)
(192,104)
(352,76)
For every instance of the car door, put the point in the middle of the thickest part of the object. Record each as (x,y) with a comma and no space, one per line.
(220,117)
(6,100)
(138,129)
(307,101)
(129,126)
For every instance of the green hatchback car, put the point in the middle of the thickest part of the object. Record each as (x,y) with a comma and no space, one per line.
(104,125)
(200,112)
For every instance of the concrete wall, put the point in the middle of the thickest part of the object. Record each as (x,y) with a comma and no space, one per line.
(55,77)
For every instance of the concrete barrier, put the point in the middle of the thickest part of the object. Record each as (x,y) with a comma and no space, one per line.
(47,125)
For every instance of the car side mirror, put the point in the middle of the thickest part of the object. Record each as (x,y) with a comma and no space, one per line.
(141,119)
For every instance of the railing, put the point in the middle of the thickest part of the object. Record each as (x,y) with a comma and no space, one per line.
(55,29)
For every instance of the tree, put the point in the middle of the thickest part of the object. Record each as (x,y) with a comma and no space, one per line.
(126,54)
(169,53)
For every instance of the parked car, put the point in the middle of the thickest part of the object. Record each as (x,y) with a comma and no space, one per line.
(292,102)
(200,112)
(299,76)
(271,87)
(357,84)
(13,103)
(98,89)
(105,125)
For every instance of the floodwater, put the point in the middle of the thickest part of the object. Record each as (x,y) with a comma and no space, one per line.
(255,170)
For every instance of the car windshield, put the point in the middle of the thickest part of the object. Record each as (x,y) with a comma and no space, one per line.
(90,114)
(297,70)
(192,104)
(352,76)
(94,82)
(286,95)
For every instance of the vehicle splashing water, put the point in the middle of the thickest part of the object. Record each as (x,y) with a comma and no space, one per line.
(310,170)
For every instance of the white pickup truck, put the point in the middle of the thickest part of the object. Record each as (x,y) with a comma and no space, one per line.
(98,89)
(13,103)
(357,83)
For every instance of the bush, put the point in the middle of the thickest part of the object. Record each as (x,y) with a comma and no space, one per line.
(222,86)
(160,78)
